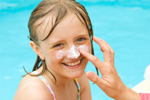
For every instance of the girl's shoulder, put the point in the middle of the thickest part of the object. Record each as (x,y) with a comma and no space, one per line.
(32,88)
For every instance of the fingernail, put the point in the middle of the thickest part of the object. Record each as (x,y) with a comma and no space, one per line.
(90,75)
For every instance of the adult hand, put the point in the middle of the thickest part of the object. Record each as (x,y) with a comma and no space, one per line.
(110,81)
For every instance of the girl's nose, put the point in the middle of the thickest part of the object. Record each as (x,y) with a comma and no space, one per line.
(73,52)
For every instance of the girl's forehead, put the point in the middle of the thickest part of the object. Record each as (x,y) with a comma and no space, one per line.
(70,23)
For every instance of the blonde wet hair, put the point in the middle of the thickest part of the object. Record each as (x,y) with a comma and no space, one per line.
(59,9)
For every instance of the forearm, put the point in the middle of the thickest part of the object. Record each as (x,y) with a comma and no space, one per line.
(128,94)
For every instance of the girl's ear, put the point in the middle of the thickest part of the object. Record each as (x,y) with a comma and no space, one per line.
(37,50)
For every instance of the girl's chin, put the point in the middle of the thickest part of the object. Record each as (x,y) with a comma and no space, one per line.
(76,75)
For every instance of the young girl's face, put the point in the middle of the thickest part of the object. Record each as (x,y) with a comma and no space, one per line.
(70,32)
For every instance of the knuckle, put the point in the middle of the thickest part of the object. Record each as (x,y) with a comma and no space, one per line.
(95,79)
(105,88)
(112,51)
(108,50)
(110,70)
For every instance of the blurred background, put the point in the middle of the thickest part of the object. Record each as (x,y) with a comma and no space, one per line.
(124,24)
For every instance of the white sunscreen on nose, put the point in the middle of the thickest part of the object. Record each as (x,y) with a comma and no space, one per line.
(73,52)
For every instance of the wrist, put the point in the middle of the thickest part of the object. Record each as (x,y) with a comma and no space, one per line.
(128,94)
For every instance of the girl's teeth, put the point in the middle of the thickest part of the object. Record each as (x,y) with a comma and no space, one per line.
(73,64)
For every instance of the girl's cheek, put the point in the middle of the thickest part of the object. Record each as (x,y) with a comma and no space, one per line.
(88,47)
(60,54)
(85,47)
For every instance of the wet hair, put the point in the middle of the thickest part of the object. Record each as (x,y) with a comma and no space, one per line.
(58,9)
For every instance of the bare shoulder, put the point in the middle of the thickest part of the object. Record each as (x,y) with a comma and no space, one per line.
(85,90)
(32,88)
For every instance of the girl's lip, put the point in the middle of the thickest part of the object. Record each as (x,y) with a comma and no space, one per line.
(74,61)
(73,67)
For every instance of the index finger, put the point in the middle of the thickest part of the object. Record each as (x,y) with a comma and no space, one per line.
(96,62)
(105,48)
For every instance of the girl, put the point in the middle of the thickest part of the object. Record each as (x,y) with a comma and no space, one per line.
(58,29)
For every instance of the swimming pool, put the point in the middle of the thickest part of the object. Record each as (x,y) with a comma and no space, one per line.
(124,24)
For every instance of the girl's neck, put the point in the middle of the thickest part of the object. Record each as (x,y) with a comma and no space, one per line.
(63,85)
(60,80)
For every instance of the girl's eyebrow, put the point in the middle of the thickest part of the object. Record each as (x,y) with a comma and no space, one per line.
(55,42)
(84,34)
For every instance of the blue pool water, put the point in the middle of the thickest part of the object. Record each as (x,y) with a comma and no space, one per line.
(124,24)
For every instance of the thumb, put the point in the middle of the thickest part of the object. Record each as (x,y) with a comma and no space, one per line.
(94,78)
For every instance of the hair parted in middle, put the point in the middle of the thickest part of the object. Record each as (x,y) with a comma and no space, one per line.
(58,9)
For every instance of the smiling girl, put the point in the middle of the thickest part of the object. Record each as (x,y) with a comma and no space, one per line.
(58,29)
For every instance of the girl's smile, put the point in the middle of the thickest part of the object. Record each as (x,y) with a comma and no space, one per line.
(73,65)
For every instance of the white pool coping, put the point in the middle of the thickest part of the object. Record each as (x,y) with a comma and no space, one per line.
(144,86)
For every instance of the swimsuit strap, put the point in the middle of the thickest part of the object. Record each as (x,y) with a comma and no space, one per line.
(78,86)
(50,89)
(46,83)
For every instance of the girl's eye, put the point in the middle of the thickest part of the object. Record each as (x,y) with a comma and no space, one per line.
(58,45)
(80,39)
